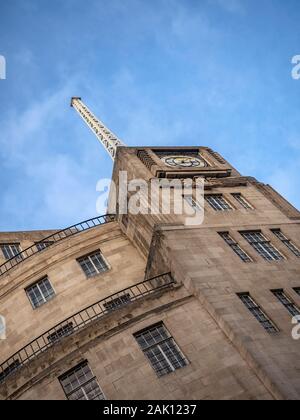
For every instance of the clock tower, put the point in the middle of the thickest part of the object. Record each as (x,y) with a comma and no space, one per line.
(138,304)
(242,264)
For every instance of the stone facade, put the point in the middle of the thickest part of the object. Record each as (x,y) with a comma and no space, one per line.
(230,355)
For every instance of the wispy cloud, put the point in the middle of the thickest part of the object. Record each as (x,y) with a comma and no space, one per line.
(164,72)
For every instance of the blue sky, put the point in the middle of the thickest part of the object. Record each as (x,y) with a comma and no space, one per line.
(162,72)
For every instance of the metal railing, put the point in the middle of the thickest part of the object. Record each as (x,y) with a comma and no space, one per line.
(58,236)
(81,319)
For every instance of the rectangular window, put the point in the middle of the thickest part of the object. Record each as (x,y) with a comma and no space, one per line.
(258,313)
(40,246)
(235,247)
(40,292)
(118,302)
(297,290)
(193,203)
(161,350)
(9,370)
(218,202)
(286,241)
(242,201)
(263,246)
(79,383)
(11,251)
(93,264)
(64,331)
(286,301)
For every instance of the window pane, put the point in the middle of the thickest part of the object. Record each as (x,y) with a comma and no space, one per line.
(10,250)
(43,245)
(88,267)
(116,303)
(40,292)
(161,350)
(243,202)
(80,384)
(235,247)
(287,302)
(9,370)
(193,203)
(289,244)
(61,332)
(99,262)
(262,246)
(297,290)
(257,312)
(93,264)
(218,203)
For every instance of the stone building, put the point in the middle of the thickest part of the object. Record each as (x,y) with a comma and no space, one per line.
(145,307)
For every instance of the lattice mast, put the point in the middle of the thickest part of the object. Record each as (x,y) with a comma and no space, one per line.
(106,137)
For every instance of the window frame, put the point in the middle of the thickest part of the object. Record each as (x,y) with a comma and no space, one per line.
(287,242)
(46,243)
(290,301)
(193,203)
(178,354)
(297,290)
(218,207)
(88,256)
(36,284)
(10,369)
(72,371)
(239,197)
(112,305)
(234,246)
(12,244)
(257,308)
(66,330)
(260,246)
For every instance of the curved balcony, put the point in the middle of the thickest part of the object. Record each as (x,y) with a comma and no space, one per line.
(51,240)
(83,318)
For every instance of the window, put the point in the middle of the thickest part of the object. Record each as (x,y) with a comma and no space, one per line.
(64,331)
(40,246)
(297,290)
(93,264)
(9,370)
(40,292)
(218,202)
(116,303)
(11,251)
(258,241)
(79,383)
(258,313)
(160,349)
(235,247)
(242,201)
(286,241)
(193,203)
(286,301)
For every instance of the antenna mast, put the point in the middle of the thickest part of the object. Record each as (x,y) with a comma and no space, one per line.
(107,138)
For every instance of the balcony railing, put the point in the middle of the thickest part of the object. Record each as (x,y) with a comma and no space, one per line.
(45,243)
(83,318)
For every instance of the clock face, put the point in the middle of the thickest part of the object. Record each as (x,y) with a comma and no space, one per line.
(183,161)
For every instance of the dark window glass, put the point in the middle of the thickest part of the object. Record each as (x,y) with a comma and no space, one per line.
(80,384)
(161,349)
